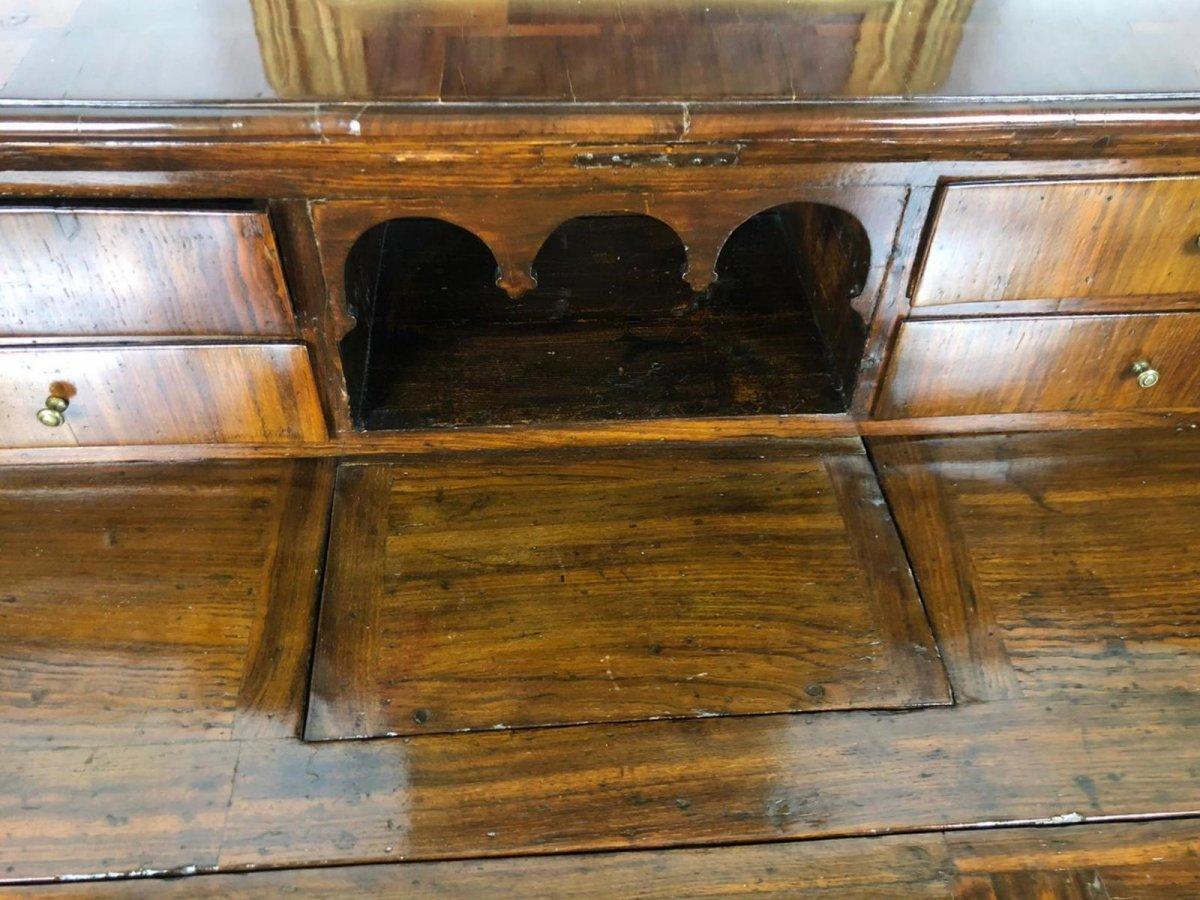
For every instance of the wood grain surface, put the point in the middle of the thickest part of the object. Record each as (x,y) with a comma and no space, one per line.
(1041,364)
(1103,240)
(152,603)
(161,394)
(1091,605)
(284,803)
(93,271)
(137,738)
(545,589)
(1054,564)
(1128,860)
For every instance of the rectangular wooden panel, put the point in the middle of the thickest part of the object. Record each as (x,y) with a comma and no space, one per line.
(1055,564)
(93,271)
(1102,240)
(157,602)
(1042,364)
(208,393)
(607,787)
(556,587)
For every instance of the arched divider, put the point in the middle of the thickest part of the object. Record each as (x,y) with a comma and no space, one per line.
(502,356)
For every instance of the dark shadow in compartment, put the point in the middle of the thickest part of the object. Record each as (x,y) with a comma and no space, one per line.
(611,331)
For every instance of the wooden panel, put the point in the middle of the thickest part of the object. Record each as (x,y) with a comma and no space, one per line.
(1090,595)
(130,808)
(552,588)
(1102,240)
(648,785)
(1059,564)
(234,393)
(1041,364)
(148,602)
(108,272)
(1144,859)
(713,780)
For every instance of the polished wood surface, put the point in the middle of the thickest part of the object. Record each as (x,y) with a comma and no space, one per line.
(152,603)
(1041,364)
(656,50)
(164,394)
(69,271)
(1143,860)
(283,803)
(508,591)
(936,174)
(1100,723)
(1105,241)
(1007,532)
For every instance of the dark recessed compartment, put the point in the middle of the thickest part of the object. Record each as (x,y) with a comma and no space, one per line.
(612,331)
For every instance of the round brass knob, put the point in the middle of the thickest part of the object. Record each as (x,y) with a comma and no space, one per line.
(1147,375)
(51,415)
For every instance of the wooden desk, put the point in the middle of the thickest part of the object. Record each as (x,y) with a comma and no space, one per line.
(597,364)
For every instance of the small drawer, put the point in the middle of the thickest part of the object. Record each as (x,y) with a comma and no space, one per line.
(1108,244)
(1043,364)
(93,272)
(245,393)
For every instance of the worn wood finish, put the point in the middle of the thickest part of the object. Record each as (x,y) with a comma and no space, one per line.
(1014,536)
(516,224)
(1105,241)
(160,394)
(548,589)
(103,272)
(610,331)
(648,785)
(308,148)
(509,119)
(1041,364)
(152,603)
(1136,860)
(1099,728)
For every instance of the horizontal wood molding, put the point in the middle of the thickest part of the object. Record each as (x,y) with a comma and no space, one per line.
(1071,127)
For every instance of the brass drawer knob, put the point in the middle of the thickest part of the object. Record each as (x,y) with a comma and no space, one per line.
(1147,375)
(52,414)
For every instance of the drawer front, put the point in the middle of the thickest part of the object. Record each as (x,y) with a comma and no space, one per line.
(1104,242)
(248,393)
(108,272)
(1042,364)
